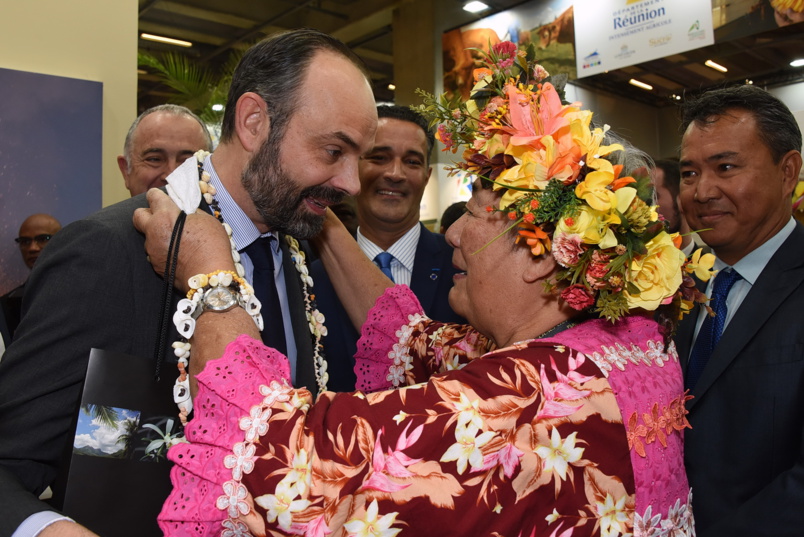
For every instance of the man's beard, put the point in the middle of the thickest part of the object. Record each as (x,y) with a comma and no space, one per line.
(277,198)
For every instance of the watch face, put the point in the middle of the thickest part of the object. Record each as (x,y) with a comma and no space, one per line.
(219,299)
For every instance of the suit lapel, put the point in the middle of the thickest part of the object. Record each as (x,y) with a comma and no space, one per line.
(783,272)
(424,278)
(305,368)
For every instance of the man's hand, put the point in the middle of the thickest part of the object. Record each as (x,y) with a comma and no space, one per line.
(204,244)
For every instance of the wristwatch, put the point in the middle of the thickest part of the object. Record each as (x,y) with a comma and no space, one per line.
(219,299)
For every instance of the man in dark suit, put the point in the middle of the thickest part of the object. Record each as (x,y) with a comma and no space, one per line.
(393,176)
(740,159)
(35,232)
(289,148)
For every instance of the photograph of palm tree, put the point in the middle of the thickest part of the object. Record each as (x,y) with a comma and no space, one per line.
(105,431)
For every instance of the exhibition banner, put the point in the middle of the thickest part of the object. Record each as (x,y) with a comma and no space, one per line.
(610,34)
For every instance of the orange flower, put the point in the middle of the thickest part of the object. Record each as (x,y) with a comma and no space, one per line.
(480,73)
(620,182)
(537,240)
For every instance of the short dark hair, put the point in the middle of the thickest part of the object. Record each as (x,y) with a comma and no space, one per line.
(672,175)
(776,126)
(452,213)
(405,113)
(274,69)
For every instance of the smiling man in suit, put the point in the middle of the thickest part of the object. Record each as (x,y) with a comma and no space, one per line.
(740,159)
(393,176)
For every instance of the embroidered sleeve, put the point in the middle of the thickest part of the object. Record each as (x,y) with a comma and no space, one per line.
(419,347)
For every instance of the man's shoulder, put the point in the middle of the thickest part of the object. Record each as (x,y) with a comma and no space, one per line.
(435,242)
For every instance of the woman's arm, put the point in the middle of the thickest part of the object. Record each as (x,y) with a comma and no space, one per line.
(356,279)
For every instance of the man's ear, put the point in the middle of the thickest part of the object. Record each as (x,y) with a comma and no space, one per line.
(251,121)
(123,165)
(790,166)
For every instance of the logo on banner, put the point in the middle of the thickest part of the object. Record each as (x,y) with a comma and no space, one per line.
(659,41)
(696,32)
(624,53)
(593,60)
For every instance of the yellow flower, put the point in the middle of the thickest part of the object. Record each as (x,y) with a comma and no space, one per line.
(594,190)
(529,172)
(701,265)
(591,225)
(657,274)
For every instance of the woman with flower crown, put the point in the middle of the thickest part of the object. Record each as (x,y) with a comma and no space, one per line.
(558,412)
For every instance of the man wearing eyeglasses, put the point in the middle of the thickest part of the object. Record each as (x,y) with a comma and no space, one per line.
(35,232)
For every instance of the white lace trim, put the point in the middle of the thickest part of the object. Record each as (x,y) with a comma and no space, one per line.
(241,459)
(401,361)
(679,521)
(619,355)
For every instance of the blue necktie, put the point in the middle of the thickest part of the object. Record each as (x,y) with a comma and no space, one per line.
(383,260)
(261,257)
(712,327)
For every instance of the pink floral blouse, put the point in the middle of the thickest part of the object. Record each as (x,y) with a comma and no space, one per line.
(579,434)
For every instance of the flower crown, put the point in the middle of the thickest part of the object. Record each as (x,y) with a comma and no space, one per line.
(561,194)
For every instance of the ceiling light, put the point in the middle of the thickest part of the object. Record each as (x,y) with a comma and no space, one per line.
(637,83)
(217,107)
(797,63)
(474,7)
(749,81)
(675,97)
(715,66)
(168,40)
(391,87)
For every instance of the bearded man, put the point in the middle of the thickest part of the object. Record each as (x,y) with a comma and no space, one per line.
(289,148)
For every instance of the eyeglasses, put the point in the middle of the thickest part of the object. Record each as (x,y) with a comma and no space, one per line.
(41,240)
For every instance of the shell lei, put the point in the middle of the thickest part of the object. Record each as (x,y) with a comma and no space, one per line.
(185,323)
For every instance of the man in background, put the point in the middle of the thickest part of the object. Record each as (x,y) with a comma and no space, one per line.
(35,232)
(740,160)
(666,183)
(158,141)
(451,214)
(393,176)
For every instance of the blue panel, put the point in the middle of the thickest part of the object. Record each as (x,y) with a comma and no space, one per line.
(50,156)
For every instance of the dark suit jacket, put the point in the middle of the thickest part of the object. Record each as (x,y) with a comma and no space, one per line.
(11,306)
(744,454)
(431,281)
(91,287)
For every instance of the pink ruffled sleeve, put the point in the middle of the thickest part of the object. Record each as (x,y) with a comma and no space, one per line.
(393,310)
(228,389)
(401,346)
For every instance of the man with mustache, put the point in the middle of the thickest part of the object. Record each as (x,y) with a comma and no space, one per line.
(393,176)
(744,367)
(300,113)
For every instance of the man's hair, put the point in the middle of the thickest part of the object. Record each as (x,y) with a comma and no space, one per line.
(274,69)
(171,109)
(452,213)
(776,126)
(672,175)
(405,113)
